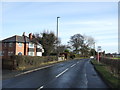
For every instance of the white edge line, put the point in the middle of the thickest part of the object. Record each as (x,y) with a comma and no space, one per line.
(62,72)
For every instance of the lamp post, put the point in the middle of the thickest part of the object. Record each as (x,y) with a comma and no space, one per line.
(57,36)
(57,26)
(94,50)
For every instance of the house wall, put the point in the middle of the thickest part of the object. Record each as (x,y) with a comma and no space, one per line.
(19,49)
(8,50)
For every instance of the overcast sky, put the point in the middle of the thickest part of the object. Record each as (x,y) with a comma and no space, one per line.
(96,19)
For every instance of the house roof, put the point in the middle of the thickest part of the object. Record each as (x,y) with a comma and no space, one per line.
(17,38)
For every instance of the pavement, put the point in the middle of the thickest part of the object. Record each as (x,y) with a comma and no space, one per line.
(68,74)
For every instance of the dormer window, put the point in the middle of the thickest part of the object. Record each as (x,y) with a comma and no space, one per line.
(39,46)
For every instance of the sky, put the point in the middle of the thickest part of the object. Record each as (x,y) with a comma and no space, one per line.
(96,19)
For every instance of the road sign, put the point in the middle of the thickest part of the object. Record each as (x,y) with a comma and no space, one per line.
(99,48)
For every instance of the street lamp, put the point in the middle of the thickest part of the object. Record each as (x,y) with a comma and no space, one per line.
(57,26)
(57,36)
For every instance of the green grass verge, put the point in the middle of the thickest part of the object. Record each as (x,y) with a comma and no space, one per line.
(112,81)
(116,58)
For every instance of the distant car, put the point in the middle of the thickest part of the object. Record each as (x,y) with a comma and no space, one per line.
(91,57)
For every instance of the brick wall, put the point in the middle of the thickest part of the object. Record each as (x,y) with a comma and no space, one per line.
(19,49)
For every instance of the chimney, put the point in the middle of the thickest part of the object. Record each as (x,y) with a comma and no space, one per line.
(30,36)
(23,33)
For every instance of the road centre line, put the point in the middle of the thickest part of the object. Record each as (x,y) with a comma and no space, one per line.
(73,65)
(62,72)
(40,87)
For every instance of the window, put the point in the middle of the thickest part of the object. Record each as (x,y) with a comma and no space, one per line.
(31,45)
(31,53)
(10,44)
(20,44)
(10,53)
(1,54)
(5,44)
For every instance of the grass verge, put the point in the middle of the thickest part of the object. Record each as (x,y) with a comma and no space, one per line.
(113,82)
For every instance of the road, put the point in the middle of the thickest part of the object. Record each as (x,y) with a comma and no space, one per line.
(68,74)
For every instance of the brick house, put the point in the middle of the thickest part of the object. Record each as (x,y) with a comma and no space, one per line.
(20,45)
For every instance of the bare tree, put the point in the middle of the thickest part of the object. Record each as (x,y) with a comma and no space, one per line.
(88,41)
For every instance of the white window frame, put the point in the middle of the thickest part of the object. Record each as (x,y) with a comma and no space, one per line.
(31,45)
(20,44)
(31,53)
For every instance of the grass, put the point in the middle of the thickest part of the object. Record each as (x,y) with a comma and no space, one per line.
(112,81)
(116,58)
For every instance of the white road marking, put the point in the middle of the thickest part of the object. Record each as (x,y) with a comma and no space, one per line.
(73,65)
(40,88)
(62,72)
(32,70)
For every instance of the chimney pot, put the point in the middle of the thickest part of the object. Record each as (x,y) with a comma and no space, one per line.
(30,36)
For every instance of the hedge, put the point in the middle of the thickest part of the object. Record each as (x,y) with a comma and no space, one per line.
(114,64)
(25,62)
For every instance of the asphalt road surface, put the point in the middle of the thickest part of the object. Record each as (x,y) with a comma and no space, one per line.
(68,74)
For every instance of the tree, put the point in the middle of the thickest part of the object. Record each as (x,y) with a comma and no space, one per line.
(48,41)
(76,42)
(88,41)
(93,52)
(81,43)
